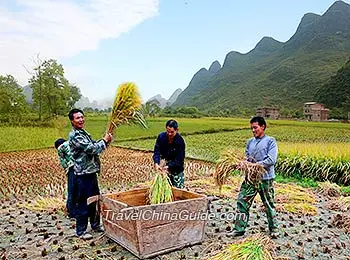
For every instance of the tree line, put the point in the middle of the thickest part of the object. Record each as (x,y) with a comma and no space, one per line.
(52,95)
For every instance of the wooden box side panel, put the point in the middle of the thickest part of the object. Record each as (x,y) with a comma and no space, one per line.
(161,214)
(133,198)
(180,194)
(117,226)
(170,236)
(184,225)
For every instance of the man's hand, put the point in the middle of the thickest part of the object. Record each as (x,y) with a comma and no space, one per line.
(157,167)
(108,138)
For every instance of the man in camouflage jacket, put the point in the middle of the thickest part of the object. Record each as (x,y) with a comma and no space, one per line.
(85,152)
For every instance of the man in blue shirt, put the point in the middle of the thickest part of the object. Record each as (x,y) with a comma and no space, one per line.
(261,149)
(170,146)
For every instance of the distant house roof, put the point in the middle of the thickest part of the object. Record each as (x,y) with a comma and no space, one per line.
(268,108)
(310,103)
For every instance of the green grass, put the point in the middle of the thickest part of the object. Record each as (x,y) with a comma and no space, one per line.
(23,138)
(303,182)
(345,190)
(205,138)
(210,146)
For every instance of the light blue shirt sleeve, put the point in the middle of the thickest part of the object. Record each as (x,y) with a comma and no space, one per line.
(271,156)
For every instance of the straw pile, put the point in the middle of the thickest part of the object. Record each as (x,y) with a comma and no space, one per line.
(45,204)
(342,221)
(126,107)
(232,160)
(329,189)
(257,247)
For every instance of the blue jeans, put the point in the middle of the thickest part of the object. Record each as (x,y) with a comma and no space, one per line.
(85,186)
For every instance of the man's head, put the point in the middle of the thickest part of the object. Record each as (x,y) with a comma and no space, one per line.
(258,126)
(76,116)
(171,128)
(59,141)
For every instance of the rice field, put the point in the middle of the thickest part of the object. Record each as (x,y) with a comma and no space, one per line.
(299,140)
(313,150)
(24,138)
(38,172)
(307,149)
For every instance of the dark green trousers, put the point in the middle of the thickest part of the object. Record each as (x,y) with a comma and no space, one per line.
(245,199)
(177,179)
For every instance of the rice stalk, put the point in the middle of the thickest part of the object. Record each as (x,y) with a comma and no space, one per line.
(340,204)
(329,189)
(342,221)
(232,160)
(160,190)
(126,107)
(45,204)
(257,247)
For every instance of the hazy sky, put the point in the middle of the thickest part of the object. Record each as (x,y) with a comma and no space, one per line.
(159,45)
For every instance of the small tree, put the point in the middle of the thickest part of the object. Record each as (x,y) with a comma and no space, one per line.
(52,92)
(12,99)
(151,108)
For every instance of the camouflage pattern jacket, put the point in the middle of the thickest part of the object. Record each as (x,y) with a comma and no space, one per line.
(85,152)
(65,156)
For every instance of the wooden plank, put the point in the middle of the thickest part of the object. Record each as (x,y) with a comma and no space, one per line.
(116,226)
(163,251)
(180,194)
(160,214)
(131,198)
(170,236)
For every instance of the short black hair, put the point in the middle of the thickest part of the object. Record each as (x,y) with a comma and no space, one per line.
(258,119)
(172,123)
(59,141)
(74,111)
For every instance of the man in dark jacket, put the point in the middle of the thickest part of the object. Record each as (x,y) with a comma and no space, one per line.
(170,146)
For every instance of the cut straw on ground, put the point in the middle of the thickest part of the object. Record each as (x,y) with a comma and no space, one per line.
(45,204)
(257,247)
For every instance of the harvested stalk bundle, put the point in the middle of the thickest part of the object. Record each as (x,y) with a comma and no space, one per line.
(329,189)
(160,190)
(233,159)
(46,204)
(226,164)
(342,221)
(253,171)
(126,107)
(257,247)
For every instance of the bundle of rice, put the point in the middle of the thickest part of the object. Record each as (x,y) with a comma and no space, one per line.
(329,189)
(233,159)
(257,247)
(340,204)
(47,204)
(342,221)
(126,107)
(160,190)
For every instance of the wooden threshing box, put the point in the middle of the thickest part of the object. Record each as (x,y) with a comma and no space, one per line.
(149,230)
